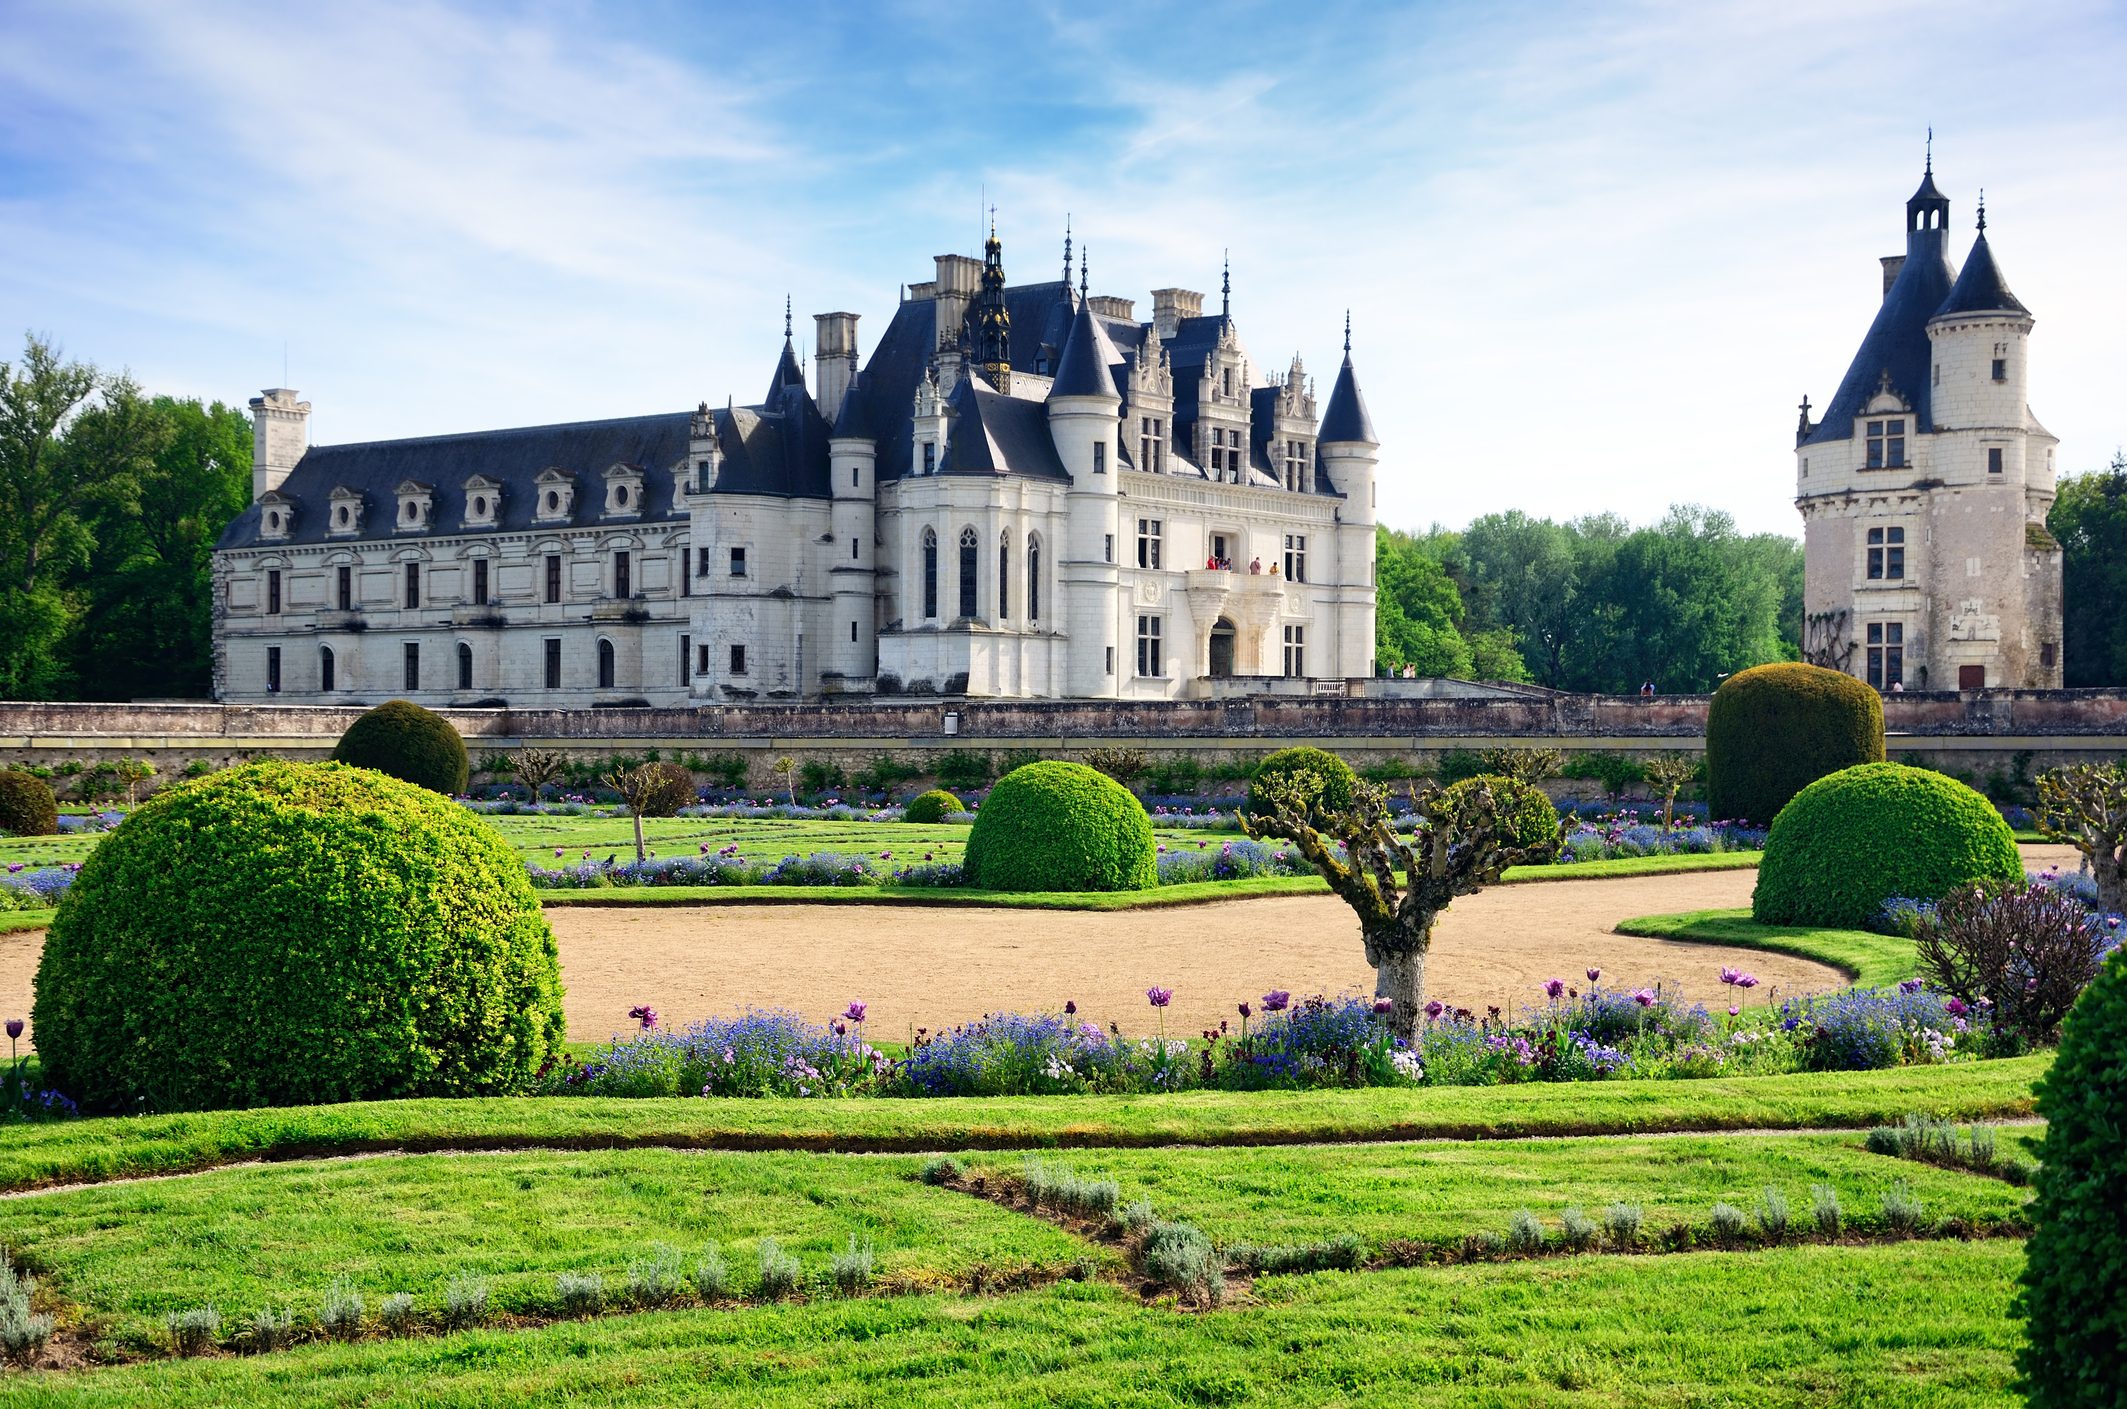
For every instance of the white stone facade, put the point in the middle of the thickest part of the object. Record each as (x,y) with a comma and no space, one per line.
(1024,493)
(1925,487)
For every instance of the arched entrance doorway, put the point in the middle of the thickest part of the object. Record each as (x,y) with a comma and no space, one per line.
(1222,649)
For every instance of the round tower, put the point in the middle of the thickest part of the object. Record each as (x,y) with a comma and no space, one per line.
(1084,410)
(853,455)
(1350,453)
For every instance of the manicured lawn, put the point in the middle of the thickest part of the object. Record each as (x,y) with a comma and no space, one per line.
(275,1235)
(1437,1191)
(1917,1324)
(32,1155)
(1872,960)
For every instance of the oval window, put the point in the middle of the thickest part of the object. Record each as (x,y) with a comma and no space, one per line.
(620,496)
(410,511)
(480,506)
(553,501)
(273,521)
(343,516)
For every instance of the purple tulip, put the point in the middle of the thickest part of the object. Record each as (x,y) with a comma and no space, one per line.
(644,1015)
(1384,1006)
(1247,1011)
(1956,1008)
(1733,1010)
(1731,976)
(1911,985)
(1276,1001)
(14,1028)
(1553,987)
(1434,1009)
(1594,974)
(855,1012)
(1159,997)
(1644,997)
(1070,1007)
(1747,981)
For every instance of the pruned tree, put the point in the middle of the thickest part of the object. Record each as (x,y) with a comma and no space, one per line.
(1396,887)
(1125,766)
(651,790)
(1670,773)
(2085,805)
(1524,765)
(536,767)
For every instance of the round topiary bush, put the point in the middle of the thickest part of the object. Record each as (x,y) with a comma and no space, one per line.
(1337,777)
(1528,819)
(1061,826)
(1773,730)
(27,805)
(2074,1294)
(1851,841)
(401,738)
(932,806)
(288,933)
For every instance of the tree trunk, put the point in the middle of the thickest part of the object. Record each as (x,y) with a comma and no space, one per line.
(638,836)
(1399,976)
(2109,870)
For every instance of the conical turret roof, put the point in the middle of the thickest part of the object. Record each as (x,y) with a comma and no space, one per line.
(1346,418)
(1082,367)
(1980,287)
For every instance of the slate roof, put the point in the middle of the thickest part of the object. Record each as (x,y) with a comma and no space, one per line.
(1088,363)
(995,434)
(778,448)
(1980,287)
(1346,417)
(511,458)
(1897,341)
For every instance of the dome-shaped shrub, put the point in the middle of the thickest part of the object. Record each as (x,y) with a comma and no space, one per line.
(1528,819)
(401,738)
(1060,826)
(1851,841)
(1774,729)
(932,806)
(1337,777)
(2075,1266)
(27,806)
(285,933)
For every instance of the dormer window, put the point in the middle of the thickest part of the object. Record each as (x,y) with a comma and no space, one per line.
(557,495)
(343,519)
(483,502)
(416,501)
(276,515)
(1886,444)
(624,490)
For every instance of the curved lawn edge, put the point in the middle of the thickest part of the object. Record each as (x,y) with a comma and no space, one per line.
(98,1149)
(1870,960)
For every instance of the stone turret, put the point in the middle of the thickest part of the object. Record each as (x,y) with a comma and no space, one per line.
(280,433)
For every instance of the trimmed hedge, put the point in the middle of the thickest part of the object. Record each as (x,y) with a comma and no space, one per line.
(401,738)
(932,807)
(285,934)
(1527,816)
(1851,841)
(2075,1269)
(1773,730)
(1061,826)
(1337,777)
(28,807)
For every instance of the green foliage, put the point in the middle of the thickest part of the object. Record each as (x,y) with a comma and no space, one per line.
(287,933)
(1124,765)
(932,806)
(1613,770)
(1850,841)
(727,770)
(2075,1276)
(962,768)
(1419,615)
(884,773)
(1458,764)
(1528,819)
(1060,826)
(1525,765)
(818,776)
(408,742)
(1775,729)
(2089,519)
(654,789)
(1175,775)
(27,805)
(1336,775)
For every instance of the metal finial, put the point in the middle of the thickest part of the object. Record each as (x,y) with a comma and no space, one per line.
(1082,249)
(1067,250)
(786,317)
(1931,149)
(1226,282)
(1347,332)
(1982,209)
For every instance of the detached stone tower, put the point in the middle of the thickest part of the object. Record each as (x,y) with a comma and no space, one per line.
(1924,489)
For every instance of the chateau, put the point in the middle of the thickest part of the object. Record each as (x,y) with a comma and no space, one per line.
(1925,486)
(1024,491)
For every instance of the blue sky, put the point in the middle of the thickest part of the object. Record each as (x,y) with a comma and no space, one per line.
(1594,253)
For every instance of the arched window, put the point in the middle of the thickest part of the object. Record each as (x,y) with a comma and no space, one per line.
(465,666)
(1004,576)
(930,574)
(325,682)
(1033,577)
(969,544)
(605,664)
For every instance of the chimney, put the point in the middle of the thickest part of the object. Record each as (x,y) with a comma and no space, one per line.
(834,363)
(1170,307)
(1123,310)
(959,276)
(1892,263)
(280,433)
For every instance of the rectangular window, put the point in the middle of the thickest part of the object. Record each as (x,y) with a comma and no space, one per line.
(1994,459)
(554,579)
(1886,444)
(553,658)
(413,665)
(1100,457)
(465,666)
(852,633)
(273,670)
(930,458)
(738,660)
(1886,554)
(2001,369)
(1296,557)
(738,562)
(1148,647)
(686,653)
(1148,543)
(623,575)
(852,550)
(701,475)
(1295,652)
(701,562)
(273,592)
(2047,654)
(480,582)
(1886,654)
(413,584)
(346,588)
(1107,549)
(1111,660)
(701,659)
(853,473)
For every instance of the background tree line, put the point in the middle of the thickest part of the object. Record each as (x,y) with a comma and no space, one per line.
(110,502)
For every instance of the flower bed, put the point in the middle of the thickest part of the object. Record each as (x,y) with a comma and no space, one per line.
(1624,834)
(26,887)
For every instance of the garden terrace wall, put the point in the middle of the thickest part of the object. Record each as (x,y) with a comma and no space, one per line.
(1975,731)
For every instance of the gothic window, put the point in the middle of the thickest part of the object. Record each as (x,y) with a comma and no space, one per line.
(325,669)
(1886,554)
(1034,577)
(1148,543)
(480,582)
(1226,381)
(1886,444)
(1296,557)
(605,664)
(465,666)
(553,662)
(413,665)
(930,575)
(1886,654)
(969,544)
(1295,651)
(1004,576)
(1148,647)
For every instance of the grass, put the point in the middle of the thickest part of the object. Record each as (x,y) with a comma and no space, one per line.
(114,1147)
(1437,1191)
(1906,1325)
(1871,960)
(275,1235)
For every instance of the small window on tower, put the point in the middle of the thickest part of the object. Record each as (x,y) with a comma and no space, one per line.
(1994,459)
(2001,369)
(930,458)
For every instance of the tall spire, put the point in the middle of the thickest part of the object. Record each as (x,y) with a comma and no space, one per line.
(1347,332)
(1067,250)
(989,324)
(1931,150)
(1226,284)
(1345,418)
(786,317)
(1082,251)
(1982,210)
